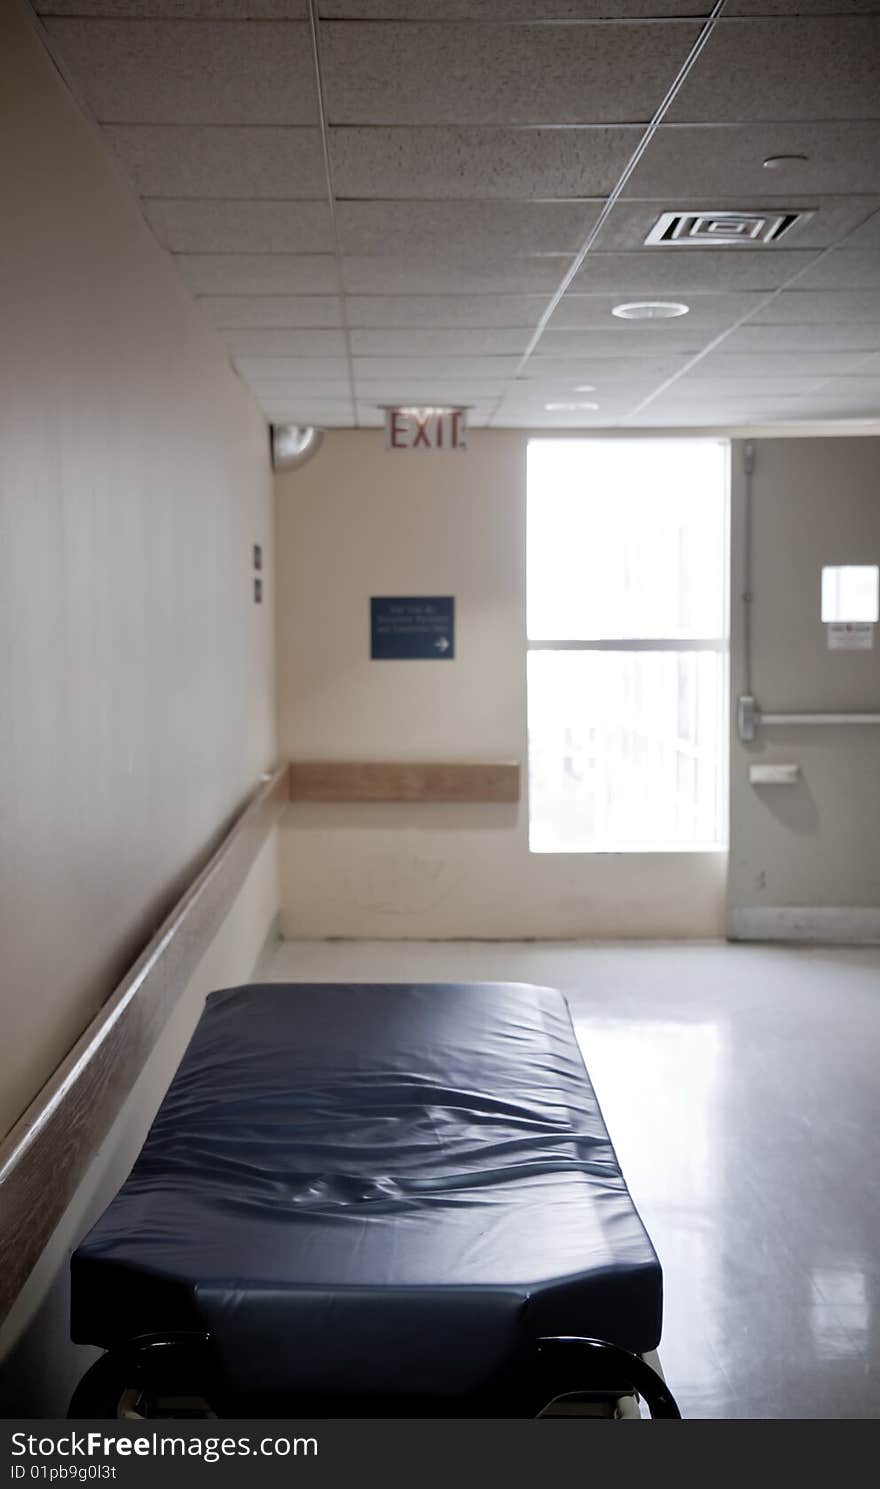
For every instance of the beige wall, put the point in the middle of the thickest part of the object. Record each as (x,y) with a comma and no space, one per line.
(805,859)
(39,1367)
(358,521)
(135,671)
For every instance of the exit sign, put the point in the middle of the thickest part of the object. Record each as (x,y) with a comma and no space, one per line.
(425,428)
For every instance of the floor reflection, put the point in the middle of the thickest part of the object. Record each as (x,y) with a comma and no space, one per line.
(739,1087)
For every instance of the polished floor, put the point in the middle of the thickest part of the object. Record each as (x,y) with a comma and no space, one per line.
(741,1087)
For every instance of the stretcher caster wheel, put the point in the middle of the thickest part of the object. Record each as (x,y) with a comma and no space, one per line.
(154,1376)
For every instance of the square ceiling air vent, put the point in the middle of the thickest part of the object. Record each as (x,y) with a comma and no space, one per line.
(722,229)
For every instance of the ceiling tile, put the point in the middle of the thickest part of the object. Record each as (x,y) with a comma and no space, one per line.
(694,385)
(727,365)
(267,343)
(509,417)
(402,311)
(251,312)
(212,10)
(609,397)
(277,390)
(832,217)
(540,418)
(241,227)
(520,10)
(733,406)
(634,339)
(659,416)
(673,414)
(427,342)
(825,404)
(710,312)
(382,73)
(421,369)
(805,306)
(374,408)
(199,161)
(399,164)
(861,384)
(605,370)
(456,233)
(681,270)
(292,369)
(305,395)
(395,390)
(189,72)
(685,160)
(866,236)
(799,7)
(464,228)
(821,68)
(377,276)
(258,273)
(854,338)
(870,367)
(845,269)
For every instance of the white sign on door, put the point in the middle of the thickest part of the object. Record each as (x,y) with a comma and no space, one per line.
(425,428)
(850,635)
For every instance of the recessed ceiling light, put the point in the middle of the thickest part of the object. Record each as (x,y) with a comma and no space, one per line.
(567,408)
(585,388)
(775,162)
(650,310)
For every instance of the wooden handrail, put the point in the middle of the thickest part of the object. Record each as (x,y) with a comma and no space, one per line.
(396,780)
(45,1156)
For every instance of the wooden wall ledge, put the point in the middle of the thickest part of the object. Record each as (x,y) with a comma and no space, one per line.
(49,1149)
(394,780)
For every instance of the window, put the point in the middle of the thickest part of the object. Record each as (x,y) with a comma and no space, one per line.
(627,626)
(850,593)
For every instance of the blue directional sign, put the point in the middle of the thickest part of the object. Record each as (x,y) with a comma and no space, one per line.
(411,627)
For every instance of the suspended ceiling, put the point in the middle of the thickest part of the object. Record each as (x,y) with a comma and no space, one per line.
(383,201)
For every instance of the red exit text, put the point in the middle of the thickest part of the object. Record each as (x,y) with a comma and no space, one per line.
(425,428)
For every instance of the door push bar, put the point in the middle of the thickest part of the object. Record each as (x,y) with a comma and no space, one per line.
(750,717)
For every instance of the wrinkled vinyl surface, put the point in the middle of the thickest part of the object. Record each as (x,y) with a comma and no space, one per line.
(374,1188)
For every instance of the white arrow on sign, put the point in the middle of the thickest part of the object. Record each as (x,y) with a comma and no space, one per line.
(442,644)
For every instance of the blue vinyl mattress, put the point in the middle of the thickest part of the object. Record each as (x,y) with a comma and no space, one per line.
(374,1188)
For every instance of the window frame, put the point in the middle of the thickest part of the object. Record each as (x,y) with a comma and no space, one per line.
(719,645)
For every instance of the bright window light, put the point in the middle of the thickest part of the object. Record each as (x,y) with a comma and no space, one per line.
(850,592)
(627,624)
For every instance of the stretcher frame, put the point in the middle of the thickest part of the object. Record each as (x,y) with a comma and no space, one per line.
(176,1375)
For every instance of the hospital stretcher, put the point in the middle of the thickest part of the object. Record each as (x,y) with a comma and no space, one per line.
(372,1200)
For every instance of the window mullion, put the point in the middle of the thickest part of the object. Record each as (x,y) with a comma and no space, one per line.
(634,643)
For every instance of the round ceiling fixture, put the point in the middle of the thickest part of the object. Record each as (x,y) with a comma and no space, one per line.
(293,444)
(568,408)
(776,162)
(650,310)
